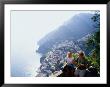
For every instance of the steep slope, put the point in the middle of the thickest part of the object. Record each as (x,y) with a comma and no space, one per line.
(75,28)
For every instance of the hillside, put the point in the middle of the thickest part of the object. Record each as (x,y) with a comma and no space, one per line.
(72,36)
(75,28)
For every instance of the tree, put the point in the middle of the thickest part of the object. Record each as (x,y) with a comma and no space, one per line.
(96,19)
(93,43)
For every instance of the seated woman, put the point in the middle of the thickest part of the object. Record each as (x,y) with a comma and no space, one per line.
(81,64)
(69,59)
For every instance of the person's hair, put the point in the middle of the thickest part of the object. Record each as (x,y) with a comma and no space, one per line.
(81,53)
(69,54)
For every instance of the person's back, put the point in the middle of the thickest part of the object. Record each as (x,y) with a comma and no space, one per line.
(69,60)
(81,63)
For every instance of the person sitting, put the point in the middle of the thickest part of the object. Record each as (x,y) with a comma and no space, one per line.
(69,59)
(81,64)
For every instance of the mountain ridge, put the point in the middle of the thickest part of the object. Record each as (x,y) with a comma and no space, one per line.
(71,29)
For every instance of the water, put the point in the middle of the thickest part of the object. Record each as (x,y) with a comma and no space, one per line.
(25,65)
(33,66)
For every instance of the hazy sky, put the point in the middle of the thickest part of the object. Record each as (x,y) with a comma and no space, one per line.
(27,27)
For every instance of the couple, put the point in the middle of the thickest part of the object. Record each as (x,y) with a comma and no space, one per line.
(80,63)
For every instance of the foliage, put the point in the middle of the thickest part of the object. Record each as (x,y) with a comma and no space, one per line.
(75,56)
(93,43)
(93,62)
(96,19)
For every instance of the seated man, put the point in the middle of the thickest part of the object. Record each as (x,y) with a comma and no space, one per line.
(81,64)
